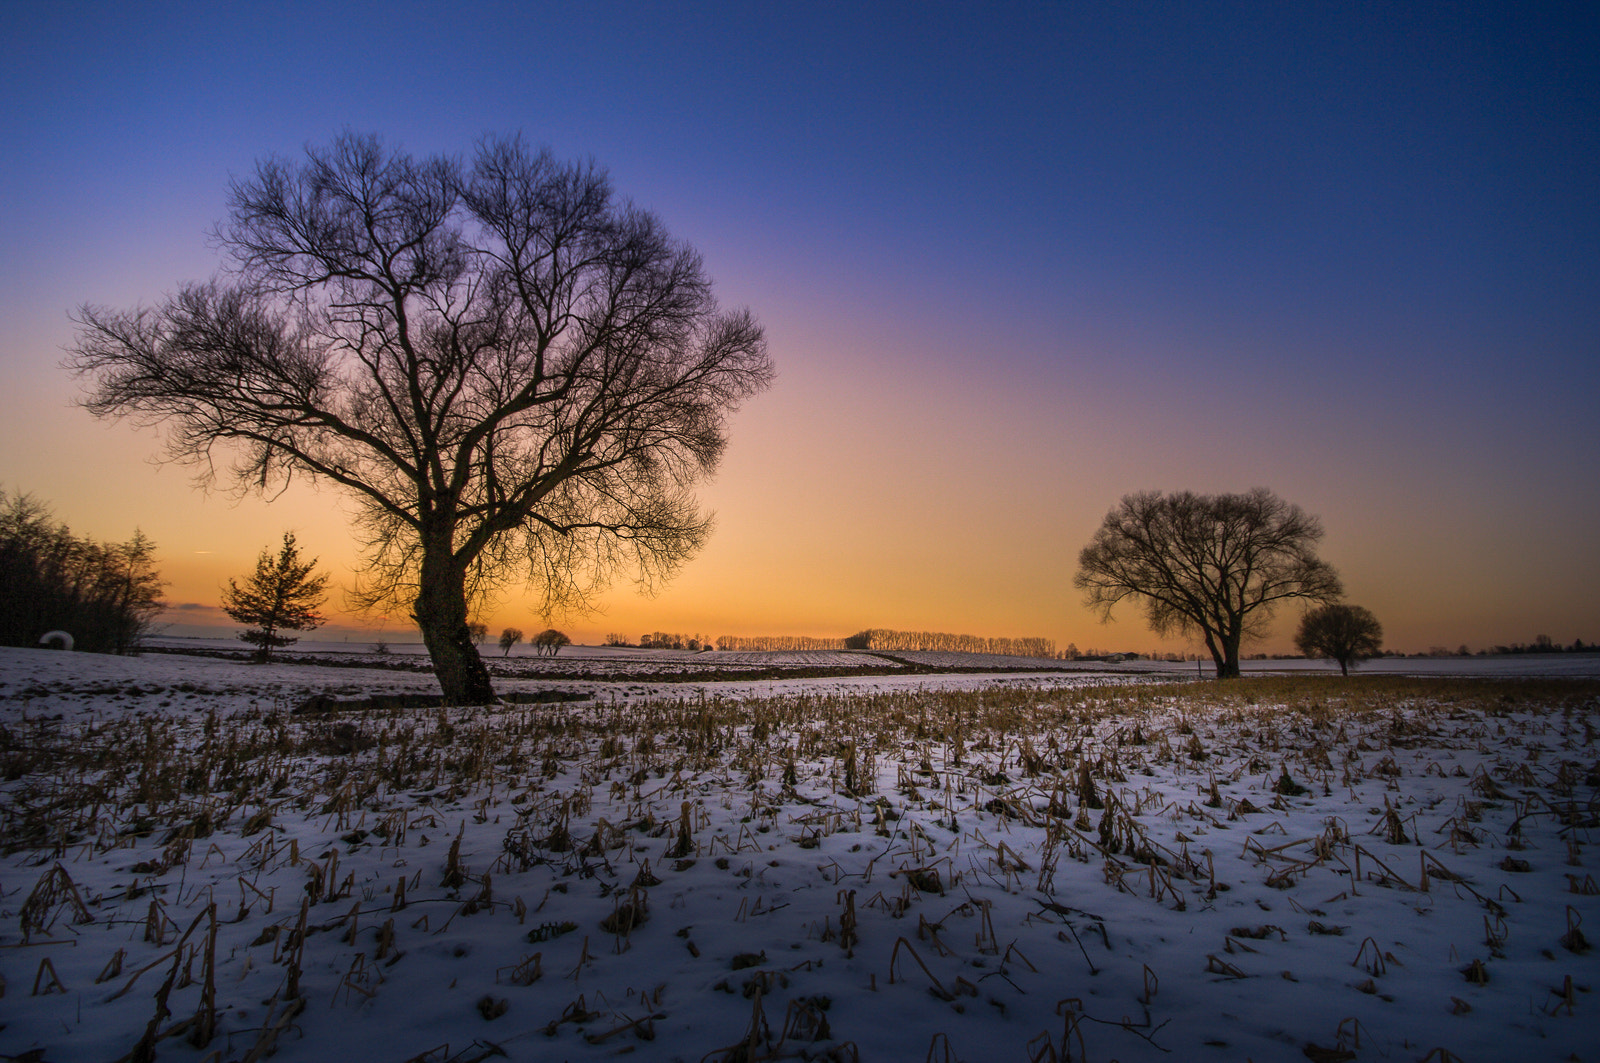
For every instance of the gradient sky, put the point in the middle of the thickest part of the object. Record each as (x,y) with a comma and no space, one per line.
(1014,261)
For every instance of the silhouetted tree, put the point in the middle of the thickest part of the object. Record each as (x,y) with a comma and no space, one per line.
(1348,634)
(512,372)
(549,641)
(1212,565)
(106,595)
(478,630)
(283,594)
(509,638)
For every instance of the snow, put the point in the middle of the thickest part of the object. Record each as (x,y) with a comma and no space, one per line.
(1309,921)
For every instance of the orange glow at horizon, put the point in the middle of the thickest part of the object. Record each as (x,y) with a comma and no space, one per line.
(1029,260)
(938,505)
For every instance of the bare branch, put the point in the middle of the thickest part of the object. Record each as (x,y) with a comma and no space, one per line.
(1210,565)
(516,374)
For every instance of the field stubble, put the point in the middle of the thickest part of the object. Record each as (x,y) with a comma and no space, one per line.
(1313,865)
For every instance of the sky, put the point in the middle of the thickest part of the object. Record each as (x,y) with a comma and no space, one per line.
(1013,261)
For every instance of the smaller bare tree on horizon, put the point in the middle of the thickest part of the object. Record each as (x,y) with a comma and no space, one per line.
(1215,566)
(549,641)
(1347,634)
(509,638)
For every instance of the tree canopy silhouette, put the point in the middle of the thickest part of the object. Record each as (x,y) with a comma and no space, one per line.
(282,594)
(1211,565)
(549,642)
(513,372)
(1347,634)
(106,596)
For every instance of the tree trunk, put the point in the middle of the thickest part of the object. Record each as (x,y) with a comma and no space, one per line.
(441,613)
(1228,658)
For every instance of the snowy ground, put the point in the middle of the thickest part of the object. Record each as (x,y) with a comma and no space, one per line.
(979,867)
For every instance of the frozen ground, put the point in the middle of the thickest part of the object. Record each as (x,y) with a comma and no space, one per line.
(880,867)
(604,662)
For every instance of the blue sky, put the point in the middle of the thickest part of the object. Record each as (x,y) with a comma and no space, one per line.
(1013,264)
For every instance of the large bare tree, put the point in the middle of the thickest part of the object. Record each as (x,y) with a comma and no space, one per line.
(513,372)
(1215,566)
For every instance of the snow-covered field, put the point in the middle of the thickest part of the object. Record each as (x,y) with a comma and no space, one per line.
(1061,865)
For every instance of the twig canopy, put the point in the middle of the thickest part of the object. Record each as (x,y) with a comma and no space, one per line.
(511,371)
(1212,565)
(1348,634)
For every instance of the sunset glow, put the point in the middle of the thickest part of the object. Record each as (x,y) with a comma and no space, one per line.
(1011,267)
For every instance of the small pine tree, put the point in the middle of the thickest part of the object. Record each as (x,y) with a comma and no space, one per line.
(282,595)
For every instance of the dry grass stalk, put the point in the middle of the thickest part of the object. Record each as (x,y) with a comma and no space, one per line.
(273,1028)
(938,987)
(145,1050)
(294,954)
(1573,940)
(45,980)
(1223,967)
(1370,957)
(683,746)
(54,890)
(204,1021)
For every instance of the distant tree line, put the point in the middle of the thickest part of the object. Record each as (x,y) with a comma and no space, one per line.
(105,595)
(663,640)
(770,643)
(938,641)
(1543,644)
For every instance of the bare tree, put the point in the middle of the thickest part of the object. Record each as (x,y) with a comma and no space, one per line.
(512,372)
(509,638)
(283,594)
(105,595)
(1211,565)
(1348,634)
(549,641)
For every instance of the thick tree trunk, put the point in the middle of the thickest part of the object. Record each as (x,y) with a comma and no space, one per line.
(1227,656)
(1224,653)
(441,613)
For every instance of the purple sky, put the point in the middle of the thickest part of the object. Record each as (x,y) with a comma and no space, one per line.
(1012,265)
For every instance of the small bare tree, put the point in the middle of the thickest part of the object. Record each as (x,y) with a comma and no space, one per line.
(512,372)
(509,638)
(1212,565)
(549,641)
(1347,634)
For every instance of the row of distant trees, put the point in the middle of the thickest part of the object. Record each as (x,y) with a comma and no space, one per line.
(777,643)
(104,595)
(1540,644)
(938,641)
(546,643)
(666,640)
(885,639)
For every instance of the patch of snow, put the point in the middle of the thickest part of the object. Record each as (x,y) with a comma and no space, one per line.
(942,903)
